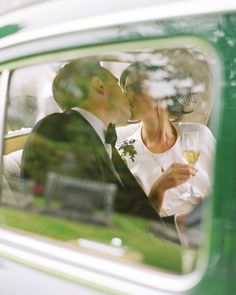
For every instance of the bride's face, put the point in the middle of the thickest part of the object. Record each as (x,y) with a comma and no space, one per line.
(137,91)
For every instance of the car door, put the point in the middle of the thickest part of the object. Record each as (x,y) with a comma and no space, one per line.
(90,243)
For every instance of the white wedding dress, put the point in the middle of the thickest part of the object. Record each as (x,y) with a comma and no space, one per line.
(147,166)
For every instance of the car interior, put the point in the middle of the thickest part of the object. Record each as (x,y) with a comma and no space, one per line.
(30,99)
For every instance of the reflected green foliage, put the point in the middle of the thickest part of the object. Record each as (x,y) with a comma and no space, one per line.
(131,230)
(22,111)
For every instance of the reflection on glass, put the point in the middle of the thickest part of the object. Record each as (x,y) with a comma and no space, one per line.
(30,96)
(79,199)
(75,188)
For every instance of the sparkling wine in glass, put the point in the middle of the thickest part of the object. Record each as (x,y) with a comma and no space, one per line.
(191,152)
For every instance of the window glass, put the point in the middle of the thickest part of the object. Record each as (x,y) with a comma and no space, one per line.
(69,177)
(30,96)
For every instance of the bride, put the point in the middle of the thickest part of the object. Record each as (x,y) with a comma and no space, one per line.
(154,153)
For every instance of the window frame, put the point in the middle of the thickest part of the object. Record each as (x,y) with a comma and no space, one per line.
(36,257)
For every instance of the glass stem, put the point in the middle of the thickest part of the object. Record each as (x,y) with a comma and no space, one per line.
(191,186)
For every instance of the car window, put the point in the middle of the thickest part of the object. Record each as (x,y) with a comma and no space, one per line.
(30,96)
(60,185)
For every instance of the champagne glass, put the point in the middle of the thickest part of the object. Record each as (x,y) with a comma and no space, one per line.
(191,152)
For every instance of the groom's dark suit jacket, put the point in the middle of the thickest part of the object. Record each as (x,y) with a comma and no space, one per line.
(67,143)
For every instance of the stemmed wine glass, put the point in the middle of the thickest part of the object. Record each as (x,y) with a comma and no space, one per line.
(191,152)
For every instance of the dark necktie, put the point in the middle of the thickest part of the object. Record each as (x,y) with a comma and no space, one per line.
(110,134)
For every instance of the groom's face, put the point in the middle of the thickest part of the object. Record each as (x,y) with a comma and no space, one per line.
(117,103)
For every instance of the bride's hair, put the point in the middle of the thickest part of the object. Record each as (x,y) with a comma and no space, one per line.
(181,99)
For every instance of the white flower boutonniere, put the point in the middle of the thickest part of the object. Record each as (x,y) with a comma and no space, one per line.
(127,149)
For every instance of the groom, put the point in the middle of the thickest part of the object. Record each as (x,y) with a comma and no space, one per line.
(76,142)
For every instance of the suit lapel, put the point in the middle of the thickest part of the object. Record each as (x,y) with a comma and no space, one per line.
(125,174)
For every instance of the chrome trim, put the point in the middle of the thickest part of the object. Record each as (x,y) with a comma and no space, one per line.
(4,83)
(74,265)
(144,14)
(16,133)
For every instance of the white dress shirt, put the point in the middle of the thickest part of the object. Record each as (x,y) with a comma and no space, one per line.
(147,167)
(97,125)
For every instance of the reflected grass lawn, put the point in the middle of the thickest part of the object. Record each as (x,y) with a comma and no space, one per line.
(134,233)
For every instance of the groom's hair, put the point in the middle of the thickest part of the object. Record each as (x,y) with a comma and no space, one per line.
(73,81)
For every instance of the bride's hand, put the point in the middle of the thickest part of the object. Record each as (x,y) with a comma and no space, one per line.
(176,174)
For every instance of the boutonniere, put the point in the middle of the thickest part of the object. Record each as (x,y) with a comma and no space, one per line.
(127,149)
